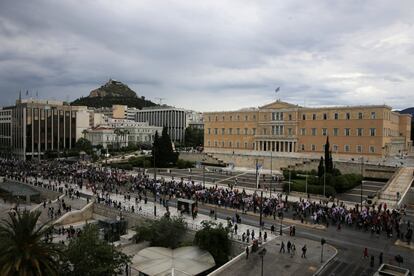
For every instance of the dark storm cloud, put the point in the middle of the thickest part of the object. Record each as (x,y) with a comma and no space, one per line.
(225,54)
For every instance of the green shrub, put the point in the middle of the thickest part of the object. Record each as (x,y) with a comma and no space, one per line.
(347,182)
(183,164)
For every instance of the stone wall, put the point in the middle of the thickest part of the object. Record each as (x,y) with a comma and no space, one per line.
(197,157)
(305,164)
(86,213)
(132,219)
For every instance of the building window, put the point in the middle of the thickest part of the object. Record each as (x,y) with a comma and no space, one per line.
(346,148)
(254,131)
(223,131)
(324,131)
(231,118)
(313,131)
(238,145)
(302,147)
(313,147)
(304,117)
(215,144)
(360,115)
(372,131)
(325,116)
(359,148)
(314,116)
(348,116)
(303,131)
(245,131)
(238,131)
(216,118)
(289,131)
(347,131)
(254,117)
(335,131)
(371,149)
(373,115)
(264,131)
(238,117)
(360,131)
(208,143)
(336,116)
(230,144)
(208,131)
(245,145)
(209,118)
(222,144)
(215,131)
(290,117)
(246,118)
(230,131)
(335,148)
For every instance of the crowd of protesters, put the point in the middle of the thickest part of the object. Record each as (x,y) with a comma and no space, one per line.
(140,186)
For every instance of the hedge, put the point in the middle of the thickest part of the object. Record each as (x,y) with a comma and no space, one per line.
(312,189)
(345,182)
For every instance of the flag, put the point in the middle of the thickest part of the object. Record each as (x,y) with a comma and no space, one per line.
(27,92)
(277,89)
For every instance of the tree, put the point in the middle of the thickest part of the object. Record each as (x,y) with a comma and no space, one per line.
(321,168)
(328,157)
(83,144)
(89,255)
(163,151)
(23,251)
(214,238)
(165,232)
(194,137)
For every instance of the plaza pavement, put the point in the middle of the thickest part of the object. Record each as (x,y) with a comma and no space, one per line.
(281,264)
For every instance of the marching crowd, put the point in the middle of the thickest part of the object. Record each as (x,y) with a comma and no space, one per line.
(103,181)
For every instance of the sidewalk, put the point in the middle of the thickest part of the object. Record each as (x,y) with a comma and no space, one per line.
(282,264)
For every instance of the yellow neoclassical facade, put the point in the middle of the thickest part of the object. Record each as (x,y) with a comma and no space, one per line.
(372,130)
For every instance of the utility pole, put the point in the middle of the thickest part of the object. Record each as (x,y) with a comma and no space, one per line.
(262,253)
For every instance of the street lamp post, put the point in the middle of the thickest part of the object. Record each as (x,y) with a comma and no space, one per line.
(362,174)
(261,208)
(204,176)
(324,181)
(271,174)
(155,170)
(306,184)
(289,181)
(262,253)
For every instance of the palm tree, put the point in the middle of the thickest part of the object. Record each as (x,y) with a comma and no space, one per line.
(23,250)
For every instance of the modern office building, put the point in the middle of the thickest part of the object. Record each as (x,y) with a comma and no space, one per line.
(373,131)
(38,126)
(5,132)
(175,119)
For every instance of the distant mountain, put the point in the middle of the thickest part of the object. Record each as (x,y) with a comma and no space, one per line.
(113,92)
(409,110)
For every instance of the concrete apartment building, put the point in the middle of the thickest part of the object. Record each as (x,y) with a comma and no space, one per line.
(38,126)
(374,131)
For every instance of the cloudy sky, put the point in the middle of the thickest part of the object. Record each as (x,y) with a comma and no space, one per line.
(211,55)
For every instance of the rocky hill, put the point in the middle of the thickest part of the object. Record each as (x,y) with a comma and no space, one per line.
(113,92)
